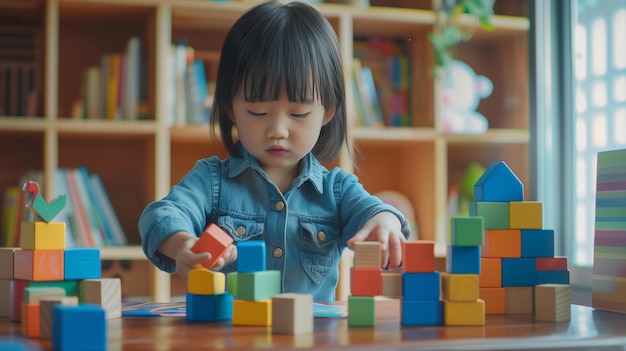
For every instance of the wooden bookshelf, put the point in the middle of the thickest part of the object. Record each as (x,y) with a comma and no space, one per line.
(140,160)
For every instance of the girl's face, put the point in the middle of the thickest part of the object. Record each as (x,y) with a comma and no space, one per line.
(278,134)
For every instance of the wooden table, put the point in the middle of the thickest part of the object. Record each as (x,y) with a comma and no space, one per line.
(588,330)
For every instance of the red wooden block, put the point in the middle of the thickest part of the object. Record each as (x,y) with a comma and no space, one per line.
(214,241)
(418,256)
(366,281)
(558,263)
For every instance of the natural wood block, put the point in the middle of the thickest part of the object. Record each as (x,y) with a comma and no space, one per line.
(214,241)
(466,231)
(5,297)
(366,281)
(552,303)
(16,297)
(38,265)
(525,215)
(106,292)
(7,257)
(558,263)
(42,236)
(202,281)
(459,287)
(392,283)
(361,311)
(35,294)
(292,314)
(252,312)
(464,313)
(490,272)
(367,254)
(502,243)
(45,312)
(495,300)
(418,256)
(519,299)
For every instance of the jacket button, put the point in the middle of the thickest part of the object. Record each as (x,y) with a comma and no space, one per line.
(280,205)
(278,252)
(321,236)
(241,230)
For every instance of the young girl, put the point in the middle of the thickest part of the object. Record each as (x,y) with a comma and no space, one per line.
(279,104)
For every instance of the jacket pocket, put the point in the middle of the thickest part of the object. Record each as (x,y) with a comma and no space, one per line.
(240,228)
(318,247)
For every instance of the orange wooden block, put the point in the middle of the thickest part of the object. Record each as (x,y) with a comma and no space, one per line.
(418,256)
(502,243)
(366,281)
(495,300)
(558,263)
(490,272)
(38,265)
(214,241)
(30,319)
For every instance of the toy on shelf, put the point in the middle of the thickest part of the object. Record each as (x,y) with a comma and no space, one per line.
(462,91)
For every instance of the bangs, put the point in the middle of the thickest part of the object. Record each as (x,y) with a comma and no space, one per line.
(291,62)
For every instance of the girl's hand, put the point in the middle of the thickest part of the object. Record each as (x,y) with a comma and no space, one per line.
(186,260)
(385,228)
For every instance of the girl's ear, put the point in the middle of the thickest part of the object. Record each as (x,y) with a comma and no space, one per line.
(329,115)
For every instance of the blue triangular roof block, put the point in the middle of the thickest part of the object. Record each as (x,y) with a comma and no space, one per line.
(498,184)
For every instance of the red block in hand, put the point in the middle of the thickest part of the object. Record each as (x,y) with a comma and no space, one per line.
(214,241)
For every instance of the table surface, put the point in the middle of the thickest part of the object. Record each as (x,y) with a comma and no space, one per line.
(588,329)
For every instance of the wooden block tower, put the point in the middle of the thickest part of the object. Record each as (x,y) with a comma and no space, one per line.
(43,273)
(206,298)
(255,285)
(366,282)
(517,253)
(460,283)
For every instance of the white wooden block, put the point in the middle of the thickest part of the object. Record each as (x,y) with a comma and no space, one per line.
(292,314)
(106,292)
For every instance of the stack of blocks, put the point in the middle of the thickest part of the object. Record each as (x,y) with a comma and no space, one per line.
(42,282)
(254,286)
(366,282)
(206,298)
(459,285)
(517,253)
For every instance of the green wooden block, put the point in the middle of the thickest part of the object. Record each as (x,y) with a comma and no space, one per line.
(70,286)
(256,286)
(495,214)
(231,283)
(361,311)
(466,231)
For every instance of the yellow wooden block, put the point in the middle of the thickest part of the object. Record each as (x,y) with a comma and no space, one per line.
(526,215)
(464,313)
(459,287)
(201,281)
(252,312)
(43,236)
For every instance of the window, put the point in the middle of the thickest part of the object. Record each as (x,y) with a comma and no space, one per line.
(578,55)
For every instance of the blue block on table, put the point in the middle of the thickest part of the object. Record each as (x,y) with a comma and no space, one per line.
(424,312)
(79,328)
(208,308)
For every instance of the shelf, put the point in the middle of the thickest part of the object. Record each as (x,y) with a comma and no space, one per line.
(26,124)
(393,135)
(491,137)
(122,253)
(105,127)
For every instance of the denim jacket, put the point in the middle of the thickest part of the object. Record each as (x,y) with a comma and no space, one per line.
(305,228)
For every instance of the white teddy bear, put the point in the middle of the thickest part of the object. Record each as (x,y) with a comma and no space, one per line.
(462,92)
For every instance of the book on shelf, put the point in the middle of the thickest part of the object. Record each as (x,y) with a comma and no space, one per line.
(366,98)
(112,88)
(390,70)
(89,217)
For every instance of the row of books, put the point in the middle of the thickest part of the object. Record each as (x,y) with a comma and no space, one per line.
(191,93)
(381,79)
(112,88)
(89,216)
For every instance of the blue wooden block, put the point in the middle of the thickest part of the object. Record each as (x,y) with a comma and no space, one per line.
(209,308)
(80,328)
(7,344)
(426,312)
(82,263)
(553,277)
(498,184)
(463,259)
(251,256)
(421,286)
(537,243)
(519,272)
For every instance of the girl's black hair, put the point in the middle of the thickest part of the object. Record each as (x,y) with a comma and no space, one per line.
(275,46)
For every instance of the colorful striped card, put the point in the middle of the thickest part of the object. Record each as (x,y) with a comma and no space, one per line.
(609,263)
